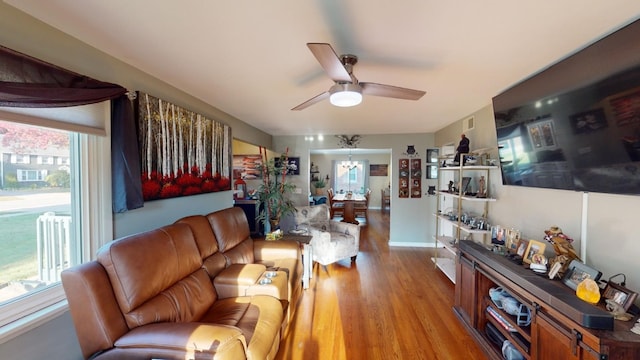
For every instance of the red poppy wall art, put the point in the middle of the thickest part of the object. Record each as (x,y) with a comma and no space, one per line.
(182,153)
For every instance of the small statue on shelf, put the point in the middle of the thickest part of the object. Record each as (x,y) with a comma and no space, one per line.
(565,252)
(463,148)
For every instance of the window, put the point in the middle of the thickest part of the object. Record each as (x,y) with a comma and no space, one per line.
(353,178)
(63,161)
(20,159)
(49,219)
(31,175)
(45,160)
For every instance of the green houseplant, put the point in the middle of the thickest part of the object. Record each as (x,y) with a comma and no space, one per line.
(319,185)
(273,194)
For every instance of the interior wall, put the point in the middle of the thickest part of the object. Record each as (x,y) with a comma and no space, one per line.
(609,238)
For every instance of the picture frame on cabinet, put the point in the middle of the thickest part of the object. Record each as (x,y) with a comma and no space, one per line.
(497,235)
(577,272)
(619,294)
(512,239)
(522,247)
(533,247)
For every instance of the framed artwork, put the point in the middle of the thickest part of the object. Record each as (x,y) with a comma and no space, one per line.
(432,172)
(533,247)
(403,178)
(432,156)
(619,294)
(416,178)
(182,153)
(293,166)
(247,167)
(378,170)
(577,272)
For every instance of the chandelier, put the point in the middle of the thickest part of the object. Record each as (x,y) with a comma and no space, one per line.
(349,164)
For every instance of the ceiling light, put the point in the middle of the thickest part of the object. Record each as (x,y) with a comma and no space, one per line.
(345,95)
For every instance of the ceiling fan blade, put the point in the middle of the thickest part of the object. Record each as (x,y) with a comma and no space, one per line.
(313,100)
(329,61)
(391,91)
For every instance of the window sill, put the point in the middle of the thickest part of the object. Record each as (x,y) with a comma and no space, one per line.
(32,321)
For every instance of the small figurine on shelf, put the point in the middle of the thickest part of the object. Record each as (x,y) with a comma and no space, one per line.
(450,189)
(562,247)
(463,148)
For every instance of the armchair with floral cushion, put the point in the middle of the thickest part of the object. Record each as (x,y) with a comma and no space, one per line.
(331,240)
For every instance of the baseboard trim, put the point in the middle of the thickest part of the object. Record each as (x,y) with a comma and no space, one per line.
(412,244)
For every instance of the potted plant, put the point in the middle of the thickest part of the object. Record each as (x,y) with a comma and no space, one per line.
(319,185)
(273,193)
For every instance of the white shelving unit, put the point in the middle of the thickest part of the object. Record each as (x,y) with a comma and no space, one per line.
(450,230)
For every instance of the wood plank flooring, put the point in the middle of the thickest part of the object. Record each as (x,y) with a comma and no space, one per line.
(390,304)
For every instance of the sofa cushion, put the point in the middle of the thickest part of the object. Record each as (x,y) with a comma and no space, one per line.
(231,229)
(202,233)
(157,276)
(212,259)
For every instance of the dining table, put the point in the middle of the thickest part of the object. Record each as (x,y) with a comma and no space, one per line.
(349,201)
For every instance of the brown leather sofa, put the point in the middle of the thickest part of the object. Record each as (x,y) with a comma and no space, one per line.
(188,290)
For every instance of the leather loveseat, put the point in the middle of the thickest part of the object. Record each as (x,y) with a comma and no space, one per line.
(181,292)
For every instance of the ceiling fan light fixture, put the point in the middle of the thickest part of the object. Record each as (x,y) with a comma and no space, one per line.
(345,95)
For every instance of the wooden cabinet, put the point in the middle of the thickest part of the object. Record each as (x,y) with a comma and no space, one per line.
(251,210)
(464,296)
(561,325)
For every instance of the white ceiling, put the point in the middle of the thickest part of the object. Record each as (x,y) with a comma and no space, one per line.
(250,59)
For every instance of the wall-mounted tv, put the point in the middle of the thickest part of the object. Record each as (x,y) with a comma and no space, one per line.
(576,124)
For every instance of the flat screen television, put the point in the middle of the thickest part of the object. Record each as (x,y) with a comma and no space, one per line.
(576,124)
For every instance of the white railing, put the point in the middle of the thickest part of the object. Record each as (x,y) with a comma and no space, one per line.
(54,246)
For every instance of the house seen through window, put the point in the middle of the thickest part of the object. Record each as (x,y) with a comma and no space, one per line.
(37,223)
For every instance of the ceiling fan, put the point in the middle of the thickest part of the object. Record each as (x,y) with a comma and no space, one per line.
(347,90)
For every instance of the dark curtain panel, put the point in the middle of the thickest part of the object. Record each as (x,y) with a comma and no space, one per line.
(125,159)
(29,82)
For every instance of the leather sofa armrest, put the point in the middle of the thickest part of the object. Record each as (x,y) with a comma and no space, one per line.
(186,340)
(236,279)
(94,309)
(265,251)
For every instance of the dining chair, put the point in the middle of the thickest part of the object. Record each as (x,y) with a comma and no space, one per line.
(335,208)
(361,207)
(385,199)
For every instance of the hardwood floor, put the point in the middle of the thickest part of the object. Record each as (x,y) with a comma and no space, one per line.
(390,304)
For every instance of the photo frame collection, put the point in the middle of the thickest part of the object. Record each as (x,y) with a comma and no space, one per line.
(577,271)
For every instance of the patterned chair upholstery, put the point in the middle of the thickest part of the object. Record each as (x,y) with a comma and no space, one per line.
(331,240)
